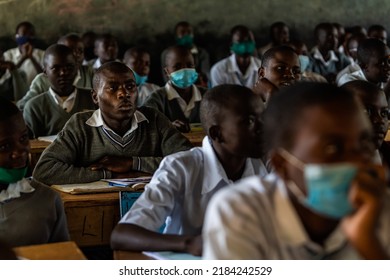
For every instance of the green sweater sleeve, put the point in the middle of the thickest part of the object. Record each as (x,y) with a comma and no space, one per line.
(59,163)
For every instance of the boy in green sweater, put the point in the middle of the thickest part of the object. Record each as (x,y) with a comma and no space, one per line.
(113,141)
(47,113)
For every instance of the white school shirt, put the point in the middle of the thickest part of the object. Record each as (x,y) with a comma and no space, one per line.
(144,91)
(181,188)
(14,55)
(186,108)
(66,104)
(254,219)
(227,71)
(317,55)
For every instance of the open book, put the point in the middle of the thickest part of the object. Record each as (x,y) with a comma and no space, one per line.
(102,186)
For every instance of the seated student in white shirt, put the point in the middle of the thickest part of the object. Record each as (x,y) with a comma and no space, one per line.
(180,98)
(326,60)
(374,64)
(26,57)
(106,50)
(182,186)
(241,67)
(138,59)
(47,113)
(326,199)
(280,67)
(279,34)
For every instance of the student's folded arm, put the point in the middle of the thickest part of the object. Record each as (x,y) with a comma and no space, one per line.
(146,164)
(138,229)
(58,163)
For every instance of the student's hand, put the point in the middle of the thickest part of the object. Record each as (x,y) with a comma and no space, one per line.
(264,88)
(114,164)
(182,126)
(366,194)
(194,245)
(27,50)
(4,65)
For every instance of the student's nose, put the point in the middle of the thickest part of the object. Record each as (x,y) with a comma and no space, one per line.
(122,92)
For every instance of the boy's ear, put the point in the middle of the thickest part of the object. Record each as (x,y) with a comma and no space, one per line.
(261,72)
(166,72)
(94,97)
(215,133)
(278,163)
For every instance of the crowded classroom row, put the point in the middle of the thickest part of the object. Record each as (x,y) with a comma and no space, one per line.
(293,163)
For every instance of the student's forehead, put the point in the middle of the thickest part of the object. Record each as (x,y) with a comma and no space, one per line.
(26,30)
(375,99)
(184,28)
(111,76)
(179,57)
(285,58)
(242,35)
(59,58)
(13,124)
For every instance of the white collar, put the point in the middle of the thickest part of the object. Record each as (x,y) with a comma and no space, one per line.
(317,55)
(232,66)
(172,93)
(213,172)
(14,190)
(58,98)
(96,120)
(292,231)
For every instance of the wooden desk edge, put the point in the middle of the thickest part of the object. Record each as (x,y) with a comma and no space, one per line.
(42,251)
(130,255)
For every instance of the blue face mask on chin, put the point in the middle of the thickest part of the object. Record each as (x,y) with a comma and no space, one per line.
(327,187)
(184,78)
(140,80)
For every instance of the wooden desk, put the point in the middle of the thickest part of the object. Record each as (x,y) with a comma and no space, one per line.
(91,217)
(51,251)
(36,149)
(128,255)
(195,137)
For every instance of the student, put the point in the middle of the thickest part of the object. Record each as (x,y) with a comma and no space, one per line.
(340,36)
(113,141)
(13,81)
(181,188)
(25,56)
(324,200)
(179,99)
(47,113)
(184,36)
(377,109)
(83,79)
(89,39)
(280,67)
(241,67)
(279,34)
(138,60)
(31,213)
(374,64)
(377,31)
(106,50)
(326,61)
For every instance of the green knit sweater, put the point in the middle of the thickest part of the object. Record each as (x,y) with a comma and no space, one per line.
(78,145)
(44,117)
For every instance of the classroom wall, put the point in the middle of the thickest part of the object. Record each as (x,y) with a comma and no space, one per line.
(151,21)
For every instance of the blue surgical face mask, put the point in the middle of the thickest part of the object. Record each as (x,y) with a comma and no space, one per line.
(243,48)
(327,186)
(140,80)
(184,78)
(304,60)
(185,41)
(21,40)
(9,176)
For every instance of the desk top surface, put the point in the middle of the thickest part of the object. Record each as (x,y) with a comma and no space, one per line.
(52,251)
(128,255)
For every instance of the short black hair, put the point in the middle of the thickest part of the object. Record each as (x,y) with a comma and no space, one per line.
(369,47)
(26,24)
(173,49)
(374,28)
(323,26)
(57,49)
(269,54)
(69,36)
(361,88)
(181,23)
(113,66)
(284,109)
(134,50)
(7,109)
(218,98)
